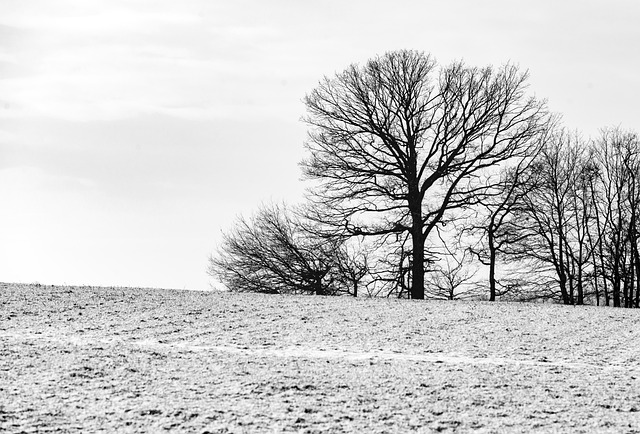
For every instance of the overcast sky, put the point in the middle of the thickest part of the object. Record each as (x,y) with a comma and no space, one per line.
(133,132)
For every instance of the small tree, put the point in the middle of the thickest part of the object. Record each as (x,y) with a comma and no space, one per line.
(352,265)
(497,230)
(273,253)
(451,278)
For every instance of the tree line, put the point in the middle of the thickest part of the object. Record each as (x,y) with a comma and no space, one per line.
(429,181)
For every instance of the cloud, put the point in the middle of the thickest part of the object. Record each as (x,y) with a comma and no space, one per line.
(120,62)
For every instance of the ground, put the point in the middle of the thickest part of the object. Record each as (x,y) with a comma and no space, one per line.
(83,359)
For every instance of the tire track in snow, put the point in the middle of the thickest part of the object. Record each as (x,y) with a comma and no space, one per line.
(317,353)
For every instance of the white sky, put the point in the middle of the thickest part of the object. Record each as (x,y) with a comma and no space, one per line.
(133,132)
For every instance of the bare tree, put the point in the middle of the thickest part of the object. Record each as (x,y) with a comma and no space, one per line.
(398,143)
(496,227)
(352,265)
(272,253)
(578,221)
(451,277)
(556,214)
(617,200)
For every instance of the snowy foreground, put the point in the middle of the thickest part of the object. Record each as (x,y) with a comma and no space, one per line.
(132,360)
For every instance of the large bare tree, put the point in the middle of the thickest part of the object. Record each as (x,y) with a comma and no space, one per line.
(397,144)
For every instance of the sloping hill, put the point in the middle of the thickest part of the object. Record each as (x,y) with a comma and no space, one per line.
(129,360)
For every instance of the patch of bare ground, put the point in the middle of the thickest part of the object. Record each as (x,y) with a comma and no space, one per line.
(140,360)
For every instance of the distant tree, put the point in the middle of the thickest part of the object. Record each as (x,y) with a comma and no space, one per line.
(352,265)
(397,144)
(575,220)
(616,196)
(495,227)
(555,216)
(451,278)
(274,253)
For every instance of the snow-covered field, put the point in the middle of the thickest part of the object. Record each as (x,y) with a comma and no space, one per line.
(132,360)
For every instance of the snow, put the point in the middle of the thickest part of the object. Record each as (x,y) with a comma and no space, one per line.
(128,360)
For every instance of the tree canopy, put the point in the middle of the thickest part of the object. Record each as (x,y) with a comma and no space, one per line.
(398,143)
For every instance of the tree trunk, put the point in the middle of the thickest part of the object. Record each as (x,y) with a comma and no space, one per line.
(636,261)
(626,287)
(600,229)
(631,285)
(318,286)
(579,278)
(616,287)
(562,276)
(605,284)
(492,267)
(617,277)
(417,267)
(633,263)
(561,267)
(617,260)
(417,237)
(596,285)
(580,289)
(563,289)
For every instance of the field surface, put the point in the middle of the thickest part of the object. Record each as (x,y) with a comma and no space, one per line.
(132,360)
